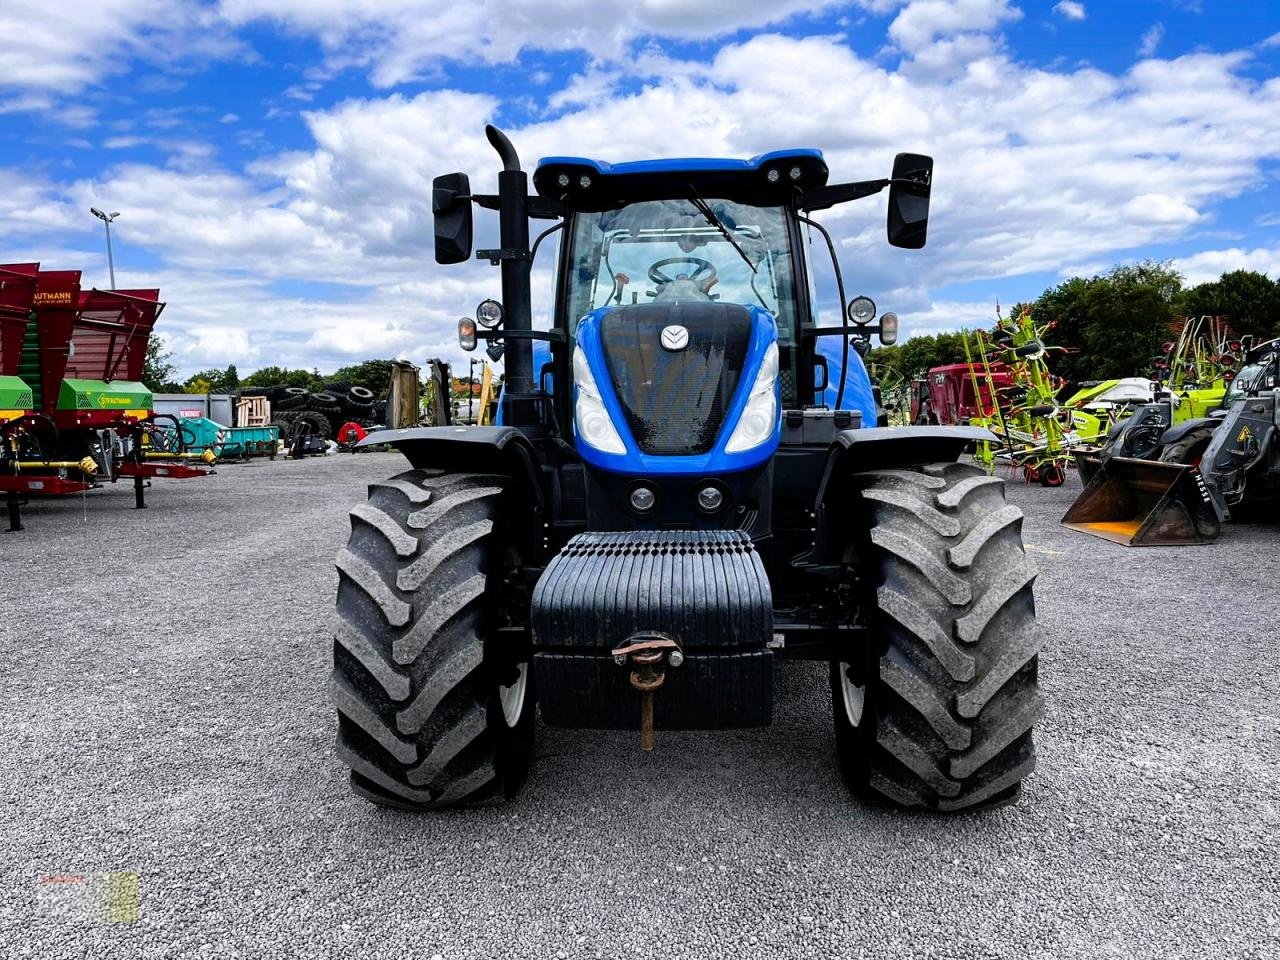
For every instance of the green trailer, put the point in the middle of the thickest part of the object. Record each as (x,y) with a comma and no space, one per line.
(229,443)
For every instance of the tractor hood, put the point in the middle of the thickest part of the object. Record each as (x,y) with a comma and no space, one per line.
(675,382)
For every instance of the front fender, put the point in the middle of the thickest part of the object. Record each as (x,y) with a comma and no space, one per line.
(1179,431)
(502,450)
(854,451)
(903,446)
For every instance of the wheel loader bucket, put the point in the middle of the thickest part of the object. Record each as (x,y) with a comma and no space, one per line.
(1088,463)
(1144,503)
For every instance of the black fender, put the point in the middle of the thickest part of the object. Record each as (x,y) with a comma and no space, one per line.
(874,448)
(480,450)
(1180,430)
(871,447)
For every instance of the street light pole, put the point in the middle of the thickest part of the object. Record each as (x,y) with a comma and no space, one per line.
(106,219)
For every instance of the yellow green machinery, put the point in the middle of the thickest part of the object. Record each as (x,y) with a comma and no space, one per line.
(1191,379)
(1135,493)
(1100,404)
(1026,415)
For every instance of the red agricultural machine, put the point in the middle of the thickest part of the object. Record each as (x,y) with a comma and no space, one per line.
(88,419)
(24,471)
(957,393)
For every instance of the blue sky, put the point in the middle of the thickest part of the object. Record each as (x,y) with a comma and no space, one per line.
(271,158)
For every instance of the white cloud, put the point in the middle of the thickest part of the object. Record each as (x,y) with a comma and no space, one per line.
(124,143)
(1211,264)
(402,40)
(1069,9)
(1036,168)
(1151,40)
(922,22)
(79,43)
(1076,187)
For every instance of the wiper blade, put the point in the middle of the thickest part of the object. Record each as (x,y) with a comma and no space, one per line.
(710,216)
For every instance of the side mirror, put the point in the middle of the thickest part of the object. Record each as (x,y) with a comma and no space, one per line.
(451,205)
(909,200)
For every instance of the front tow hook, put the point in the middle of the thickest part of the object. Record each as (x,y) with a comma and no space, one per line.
(648,655)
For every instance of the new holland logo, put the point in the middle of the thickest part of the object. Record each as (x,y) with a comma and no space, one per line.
(675,337)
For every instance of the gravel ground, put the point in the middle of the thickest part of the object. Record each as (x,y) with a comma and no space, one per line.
(164,713)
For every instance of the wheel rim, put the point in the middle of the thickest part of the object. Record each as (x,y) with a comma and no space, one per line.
(512,697)
(853,695)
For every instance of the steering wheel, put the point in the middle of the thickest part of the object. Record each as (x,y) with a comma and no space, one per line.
(704,267)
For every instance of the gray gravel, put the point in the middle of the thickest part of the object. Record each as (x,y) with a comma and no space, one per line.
(164,713)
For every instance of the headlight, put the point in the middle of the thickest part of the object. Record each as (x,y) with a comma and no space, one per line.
(862,310)
(760,418)
(489,314)
(590,418)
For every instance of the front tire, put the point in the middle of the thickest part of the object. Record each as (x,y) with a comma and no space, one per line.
(947,697)
(427,717)
(1189,448)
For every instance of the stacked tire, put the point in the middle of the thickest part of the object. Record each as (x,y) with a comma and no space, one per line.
(324,410)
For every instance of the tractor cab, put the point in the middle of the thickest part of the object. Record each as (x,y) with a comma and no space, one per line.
(685,326)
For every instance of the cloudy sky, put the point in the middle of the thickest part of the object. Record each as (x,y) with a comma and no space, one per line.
(271,159)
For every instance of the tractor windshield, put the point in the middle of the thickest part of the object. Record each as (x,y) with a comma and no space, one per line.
(663,251)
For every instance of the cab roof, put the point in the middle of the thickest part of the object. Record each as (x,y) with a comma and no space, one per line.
(584,184)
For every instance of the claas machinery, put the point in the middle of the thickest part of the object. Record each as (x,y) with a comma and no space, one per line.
(1144,487)
(686,487)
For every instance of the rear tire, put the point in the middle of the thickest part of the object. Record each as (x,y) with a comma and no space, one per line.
(1052,475)
(320,424)
(425,718)
(946,700)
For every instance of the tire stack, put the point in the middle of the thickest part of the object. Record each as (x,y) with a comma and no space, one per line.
(325,411)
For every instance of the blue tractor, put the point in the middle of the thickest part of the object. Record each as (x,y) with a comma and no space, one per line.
(690,482)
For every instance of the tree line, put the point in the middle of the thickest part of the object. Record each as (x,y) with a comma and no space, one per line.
(160,373)
(1114,324)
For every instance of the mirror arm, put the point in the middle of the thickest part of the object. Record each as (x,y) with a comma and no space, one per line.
(821,198)
(540,208)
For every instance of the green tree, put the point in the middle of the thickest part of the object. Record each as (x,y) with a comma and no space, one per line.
(158,369)
(281,376)
(1115,323)
(373,375)
(213,380)
(1249,300)
(915,357)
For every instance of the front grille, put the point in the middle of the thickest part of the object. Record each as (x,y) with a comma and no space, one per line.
(675,401)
